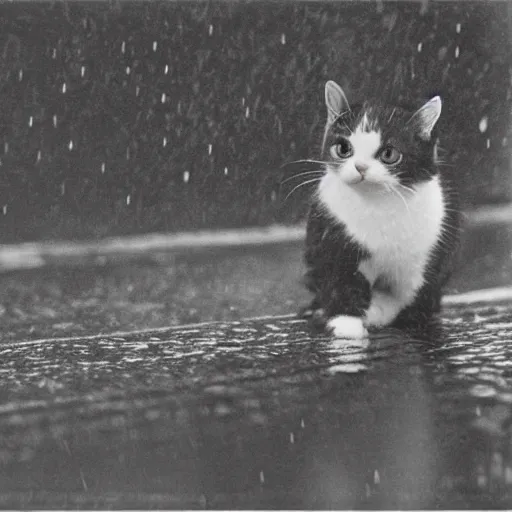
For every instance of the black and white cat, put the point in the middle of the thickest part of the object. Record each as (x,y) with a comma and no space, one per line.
(383,226)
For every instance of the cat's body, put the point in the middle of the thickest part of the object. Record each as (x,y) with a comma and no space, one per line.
(383,226)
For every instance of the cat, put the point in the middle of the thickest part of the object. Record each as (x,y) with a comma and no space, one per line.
(383,225)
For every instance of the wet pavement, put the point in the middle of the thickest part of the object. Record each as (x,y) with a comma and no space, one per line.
(123,292)
(261,413)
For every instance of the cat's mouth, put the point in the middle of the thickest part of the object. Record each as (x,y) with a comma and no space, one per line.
(354,179)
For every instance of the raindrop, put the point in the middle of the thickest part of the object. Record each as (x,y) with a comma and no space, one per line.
(163,97)
(420,47)
(504,141)
(262,477)
(210,149)
(30,121)
(376,477)
(247,112)
(54,53)
(457,52)
(102,167)
(457,28)
(164,142)
(166,69)
(62,188)
(128,199)
(82,71)
(4,209)
(478,411)
(210,30)
(155,46)
(55,121)
(273,196)
(127,153)
(123,47)
(283,39)
(186,177)
(302,424)
(137,90)
(225,171)
(128,70)
(70,145)
(38,159)
(488,143)
(6,147)
(292,438)
(64,88)
(20,75)
(483,124)
(243,102)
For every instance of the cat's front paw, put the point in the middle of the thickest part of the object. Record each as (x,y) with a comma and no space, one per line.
(375,316)
(382,311)
(349,327)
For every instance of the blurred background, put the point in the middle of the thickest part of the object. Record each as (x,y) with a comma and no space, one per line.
(124,118)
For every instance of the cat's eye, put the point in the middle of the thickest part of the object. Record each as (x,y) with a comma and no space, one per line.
(390,155)
(343,149)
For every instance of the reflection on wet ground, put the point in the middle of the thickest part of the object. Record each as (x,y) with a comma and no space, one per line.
(262,413)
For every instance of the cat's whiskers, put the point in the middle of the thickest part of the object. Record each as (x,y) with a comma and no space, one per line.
(444,164)
(409,189)
(306,161)
(300,185)
(302,174)
(393,189)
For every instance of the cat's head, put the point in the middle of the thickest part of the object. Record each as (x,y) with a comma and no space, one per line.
(377,146)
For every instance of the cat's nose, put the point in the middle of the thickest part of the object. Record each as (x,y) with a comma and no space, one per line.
(361,168)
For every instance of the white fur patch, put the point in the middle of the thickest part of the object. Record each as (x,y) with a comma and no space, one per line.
(383,309)
(398,228)
(350,327)
(365,143)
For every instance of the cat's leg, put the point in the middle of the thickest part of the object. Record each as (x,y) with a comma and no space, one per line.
(345,305)
(386,306)
(339,303)
(383,309)
(313,281)
(418,315)
(342,293)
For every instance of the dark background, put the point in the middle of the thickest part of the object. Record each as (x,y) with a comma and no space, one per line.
(108,109)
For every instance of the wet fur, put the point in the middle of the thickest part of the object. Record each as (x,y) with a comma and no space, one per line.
(379,253)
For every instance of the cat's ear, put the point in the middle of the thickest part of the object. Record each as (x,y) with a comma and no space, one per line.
(426,117)
(335,101)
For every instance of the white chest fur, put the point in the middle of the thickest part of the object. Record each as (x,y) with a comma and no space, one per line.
(399,229)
